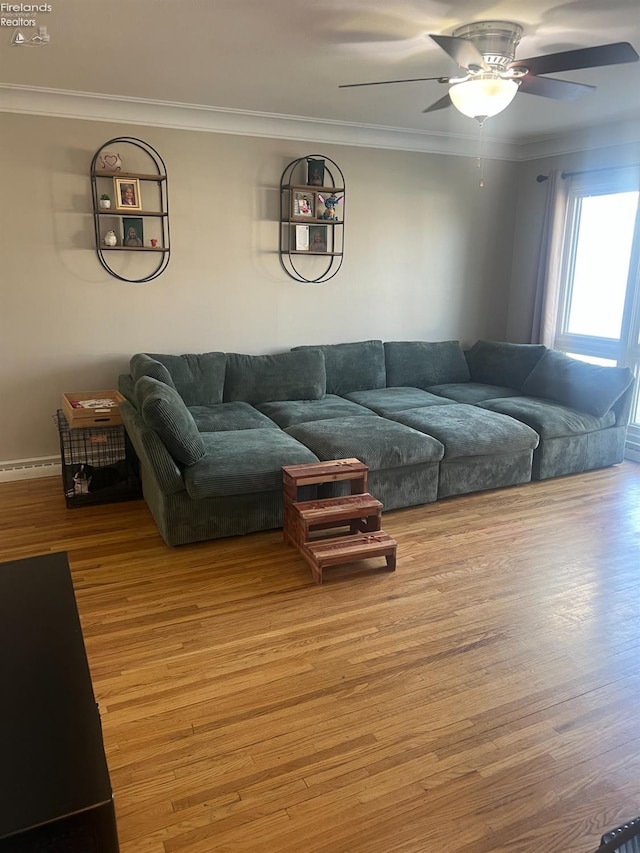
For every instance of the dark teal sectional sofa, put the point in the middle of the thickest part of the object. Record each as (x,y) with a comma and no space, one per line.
(213,430)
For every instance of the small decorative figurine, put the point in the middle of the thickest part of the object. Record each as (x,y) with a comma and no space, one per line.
(110,239)
(330,205)
(110,162)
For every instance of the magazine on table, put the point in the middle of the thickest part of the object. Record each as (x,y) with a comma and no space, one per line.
(107,403)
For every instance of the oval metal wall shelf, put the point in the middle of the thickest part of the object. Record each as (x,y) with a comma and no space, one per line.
(157,174)
(307,265)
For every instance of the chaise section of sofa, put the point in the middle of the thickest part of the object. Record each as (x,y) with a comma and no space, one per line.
(180,518)
(214,468)
(580,411)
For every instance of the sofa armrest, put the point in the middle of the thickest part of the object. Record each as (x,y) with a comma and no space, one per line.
(622,407)
(151,452)
(126,387)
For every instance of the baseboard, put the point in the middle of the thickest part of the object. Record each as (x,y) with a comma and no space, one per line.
(632,447)
(30,469)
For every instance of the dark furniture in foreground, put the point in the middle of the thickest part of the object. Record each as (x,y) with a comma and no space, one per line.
(623,839)
(56,792)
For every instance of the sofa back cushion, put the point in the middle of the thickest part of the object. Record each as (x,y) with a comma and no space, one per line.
(499,363)
(142,364)
(350,367)
(197,377)
(265,378)
(586,387)
(421,364)
(164,411)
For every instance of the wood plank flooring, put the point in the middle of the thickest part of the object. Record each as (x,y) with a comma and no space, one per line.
(483,698)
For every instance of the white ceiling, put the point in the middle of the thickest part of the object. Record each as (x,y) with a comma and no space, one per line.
(287,57)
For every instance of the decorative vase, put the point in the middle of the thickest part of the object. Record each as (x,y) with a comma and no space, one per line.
(105,203)
(110,239)
(110,162)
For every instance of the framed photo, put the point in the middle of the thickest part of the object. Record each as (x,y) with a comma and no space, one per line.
(127,193)
(317,238)
(302,238)
(133,236)
(315,172)
(303,204)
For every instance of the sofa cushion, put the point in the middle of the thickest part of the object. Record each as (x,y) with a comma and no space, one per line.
(284,376)
(469,431)
(243,462)
(142,364)
(285,413)
(229,416)
(472,392)
(384,400)
(164,411)
(587,387)
(504,364)
(198,377)
(378,442)
(421,364)
(548,419)
(352,366)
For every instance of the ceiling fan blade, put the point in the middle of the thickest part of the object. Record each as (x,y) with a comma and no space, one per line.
(462,51)
(549,87)
(585,57)
(385,82)
(442,104)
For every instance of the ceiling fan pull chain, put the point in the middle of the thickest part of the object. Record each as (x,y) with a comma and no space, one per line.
(481,154)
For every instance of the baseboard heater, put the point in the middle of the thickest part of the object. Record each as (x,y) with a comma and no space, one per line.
(30,469)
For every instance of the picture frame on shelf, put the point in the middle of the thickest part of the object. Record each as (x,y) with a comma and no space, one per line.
(127,193)
(317,238)
(133,232)
(302,238)
(303,204)
(315,172)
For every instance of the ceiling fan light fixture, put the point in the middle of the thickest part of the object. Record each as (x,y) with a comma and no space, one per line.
(483,96)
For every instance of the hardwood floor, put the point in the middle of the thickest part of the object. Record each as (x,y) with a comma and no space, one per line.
(481,699)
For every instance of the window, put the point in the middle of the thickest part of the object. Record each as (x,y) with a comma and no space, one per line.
(599,316)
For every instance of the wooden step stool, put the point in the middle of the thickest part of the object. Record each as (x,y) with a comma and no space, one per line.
(347,549)
(360,511)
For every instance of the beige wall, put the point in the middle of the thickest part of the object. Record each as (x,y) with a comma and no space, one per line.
(427,257)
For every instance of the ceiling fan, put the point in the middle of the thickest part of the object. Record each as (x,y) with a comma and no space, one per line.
(485,51)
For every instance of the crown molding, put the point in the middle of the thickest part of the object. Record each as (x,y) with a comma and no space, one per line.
(585,139)
(59,103)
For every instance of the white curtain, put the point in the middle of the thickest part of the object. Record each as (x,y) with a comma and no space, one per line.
(545,310)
